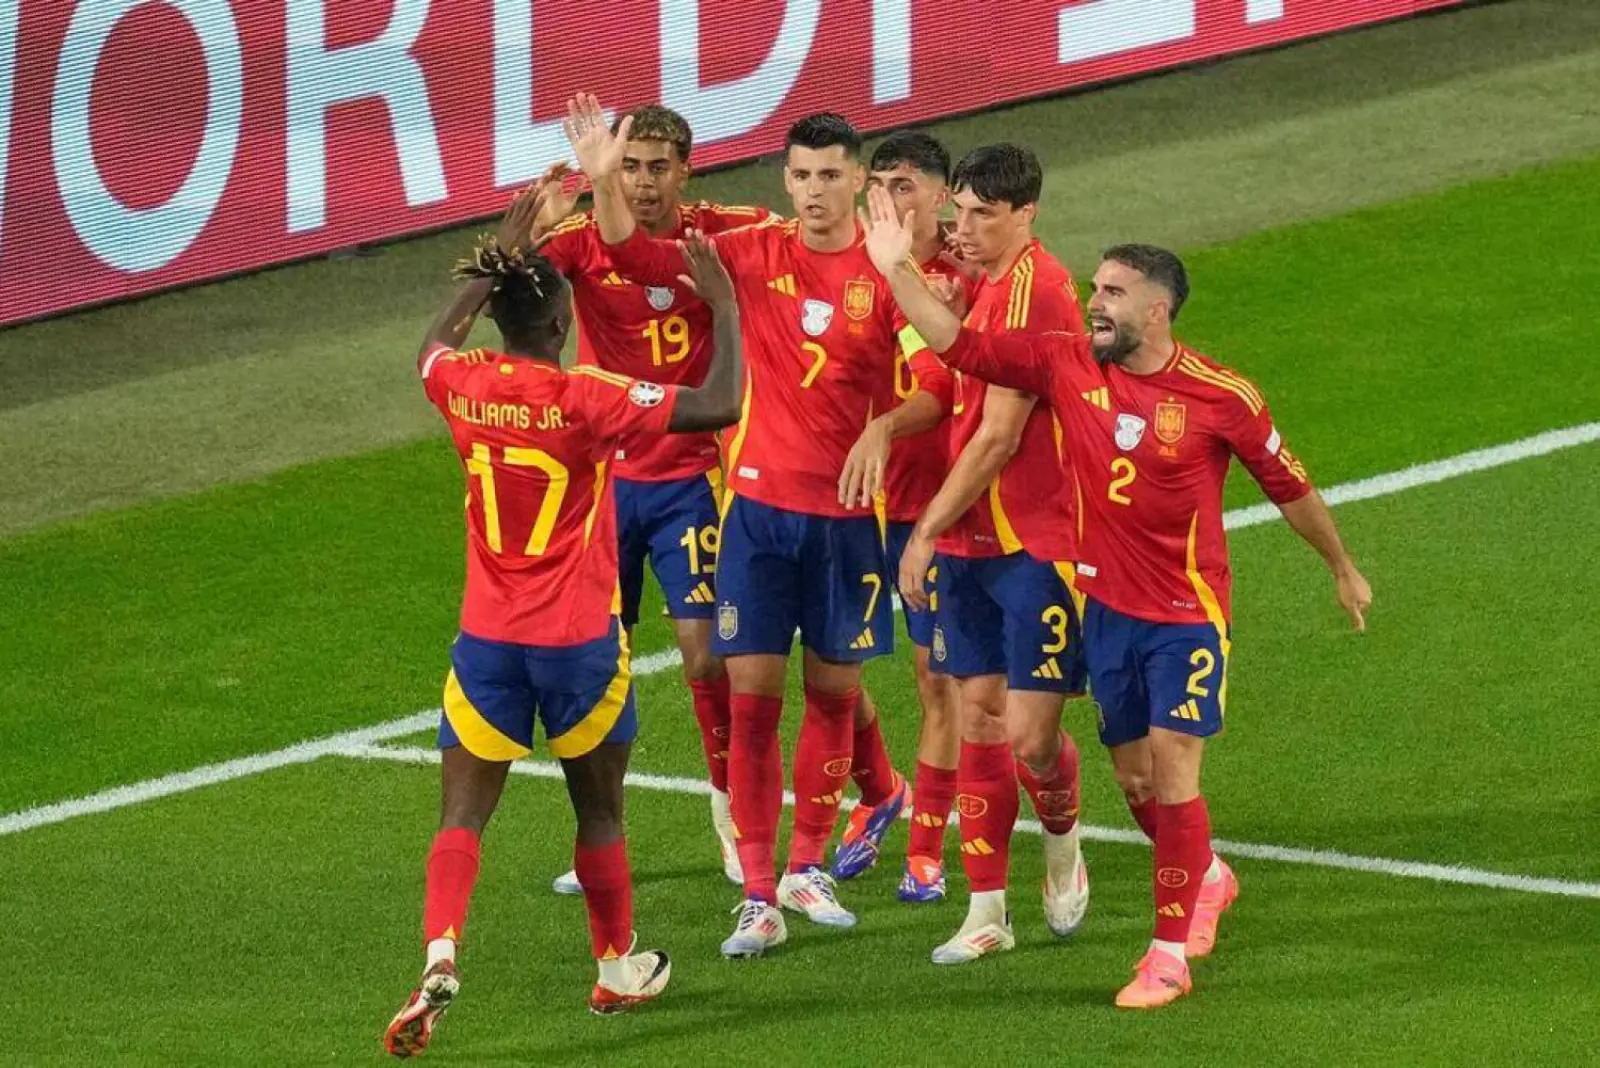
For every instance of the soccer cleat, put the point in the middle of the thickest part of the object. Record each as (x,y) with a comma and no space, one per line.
(1159,980)
(811,892)
(866,830)
(412,1027)
(1066,883)
(568,884)
(976,940)
(760,927)
(722,823)
(648,973)
(1215,898)
(923,881)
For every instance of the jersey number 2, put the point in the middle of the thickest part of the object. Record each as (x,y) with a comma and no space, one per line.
(481,467)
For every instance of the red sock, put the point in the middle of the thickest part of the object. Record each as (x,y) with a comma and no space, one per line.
(1182,855)
(1144,814)
(711,712)
(931,796)
(608,895)
(821,767)
(755,789)
(1055,793)
(452,869)
(870,768)
(988,803)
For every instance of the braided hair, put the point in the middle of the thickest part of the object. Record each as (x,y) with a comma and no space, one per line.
(526,293)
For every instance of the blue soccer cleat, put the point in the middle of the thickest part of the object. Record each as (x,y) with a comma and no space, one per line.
(864,834)
(923,881)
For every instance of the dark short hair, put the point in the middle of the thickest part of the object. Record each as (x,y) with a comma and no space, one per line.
(652,122)
(1000,172)
(922,150)
(526,288)
(1160,265)
(824,130)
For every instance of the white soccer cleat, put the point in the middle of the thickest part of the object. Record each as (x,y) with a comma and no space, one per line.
(811,892)
(647,974)
(976,939)
(760,927)
(1066,883)
(567,884)
(722,823)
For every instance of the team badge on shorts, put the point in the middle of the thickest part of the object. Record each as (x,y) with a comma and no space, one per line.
(940,650)
(727,622)
(660,297)
(1171,419)
(646,394)
(858,299)
(815,317)
(1130,431)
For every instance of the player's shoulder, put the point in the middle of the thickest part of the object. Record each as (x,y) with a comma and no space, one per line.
(1211,379)
(1040,292)
(712,217)
(577,224)
(443,360)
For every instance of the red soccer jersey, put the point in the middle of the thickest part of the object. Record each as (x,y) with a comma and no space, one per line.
(1151,454)
(1024,507)
(537,442)
(819,344)
(660,333)
(918,464)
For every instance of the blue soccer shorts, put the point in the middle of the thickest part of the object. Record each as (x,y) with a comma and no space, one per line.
(583,694)
(1006,615)
(781,571)
(674,526)
(919,622)
(1172,675)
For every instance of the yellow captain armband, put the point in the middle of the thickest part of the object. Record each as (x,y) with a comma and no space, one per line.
(911,342)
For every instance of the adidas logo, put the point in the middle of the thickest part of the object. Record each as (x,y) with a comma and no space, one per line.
(866,641)
(928,819)
(1188,710)
(1173,910)
(1100,397)
(612,278)
(784,284)
(701,594)
(977,848)
(829,799)
(1048,670)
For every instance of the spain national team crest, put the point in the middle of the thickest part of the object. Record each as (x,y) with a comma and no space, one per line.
(727,622)
(815,317)
(660,297)
(1130,431)
(858,299)
(1171,419)
(940,650)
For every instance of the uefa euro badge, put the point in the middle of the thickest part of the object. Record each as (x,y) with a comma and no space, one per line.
(815,317)
(727,622)
(1171,418)
(858,299)
(646,394)
(660,297)
(940,650)
(1130,431)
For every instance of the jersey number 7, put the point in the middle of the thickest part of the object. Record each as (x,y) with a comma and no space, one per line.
(481,467)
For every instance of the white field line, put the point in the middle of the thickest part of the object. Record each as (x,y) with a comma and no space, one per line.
(654,663)
(1321,858)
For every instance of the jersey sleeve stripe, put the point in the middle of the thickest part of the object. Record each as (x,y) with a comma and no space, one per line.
(573,223)
(433,358)
(1226,375)
(1204,374)
(608,377)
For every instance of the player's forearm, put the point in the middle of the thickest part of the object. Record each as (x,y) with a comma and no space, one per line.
(452,325)
(923,309)
(715,402)
(1015,361)
(611,215)
(967,481)
(1312,520)
(921,412)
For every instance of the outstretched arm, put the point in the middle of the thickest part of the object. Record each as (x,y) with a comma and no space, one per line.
(715,402)
(1312,520)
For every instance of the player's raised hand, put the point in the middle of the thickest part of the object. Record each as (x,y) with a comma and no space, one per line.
(599,151)
(516,227)
(1355,596)
(561,187)
(707,276)
(914,564)
(888,236)
(865,465)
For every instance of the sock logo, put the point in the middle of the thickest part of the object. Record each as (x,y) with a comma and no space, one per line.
(1173,911)
(971,806)
(720,732)
(1062,801)
(838,767)
(1172,878)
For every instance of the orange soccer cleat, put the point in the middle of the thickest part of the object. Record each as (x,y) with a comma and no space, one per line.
(412,1027)
(1215,898)
(1160,980)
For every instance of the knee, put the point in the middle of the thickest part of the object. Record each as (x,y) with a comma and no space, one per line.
(1037,751)
(701,665)
(1138,785)
(599,828)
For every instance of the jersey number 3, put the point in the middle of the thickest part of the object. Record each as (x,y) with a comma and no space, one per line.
(482,468)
